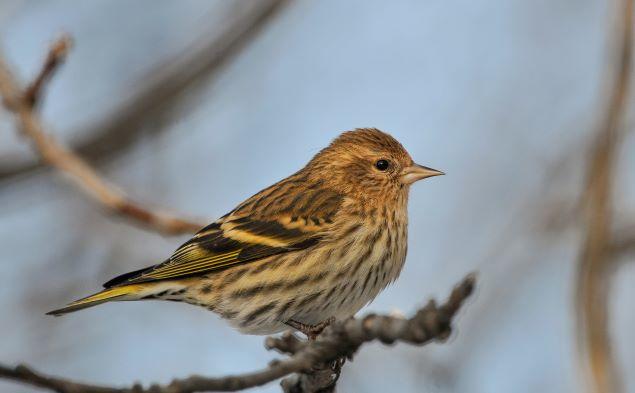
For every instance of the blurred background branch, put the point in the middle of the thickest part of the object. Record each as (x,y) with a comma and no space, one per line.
(21,103)
(56,56)
(624,243)
(593,285)
(160,92)
(164,86)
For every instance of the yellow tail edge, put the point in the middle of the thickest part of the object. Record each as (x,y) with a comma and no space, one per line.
(104,296)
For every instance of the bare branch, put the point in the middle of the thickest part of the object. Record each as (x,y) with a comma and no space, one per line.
(24,374)
(593,280)
(162,87)
(56,56)
(342,339)
(56,155)
(624,242)
(287,343)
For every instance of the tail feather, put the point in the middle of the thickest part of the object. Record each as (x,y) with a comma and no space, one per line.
(118,293)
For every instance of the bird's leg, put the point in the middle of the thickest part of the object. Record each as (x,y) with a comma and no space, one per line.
(311,331)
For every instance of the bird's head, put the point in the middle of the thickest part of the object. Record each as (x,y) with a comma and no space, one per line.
(368,162)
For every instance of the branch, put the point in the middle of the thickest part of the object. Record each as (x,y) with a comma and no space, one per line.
(342,339)
(593,280)
(56,56)
(624,242)
(58,156)
(162,87)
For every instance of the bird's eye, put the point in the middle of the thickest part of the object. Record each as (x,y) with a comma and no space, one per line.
(382,165)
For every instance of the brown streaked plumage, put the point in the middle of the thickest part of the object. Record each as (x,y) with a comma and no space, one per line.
(319,244)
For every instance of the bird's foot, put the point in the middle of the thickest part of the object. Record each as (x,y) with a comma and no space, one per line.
(311,331)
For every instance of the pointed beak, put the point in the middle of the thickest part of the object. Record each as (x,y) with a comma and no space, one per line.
(417,172)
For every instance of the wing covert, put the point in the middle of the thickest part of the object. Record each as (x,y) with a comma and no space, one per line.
(241,237)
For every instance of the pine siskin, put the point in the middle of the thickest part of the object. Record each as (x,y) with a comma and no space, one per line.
(317,245)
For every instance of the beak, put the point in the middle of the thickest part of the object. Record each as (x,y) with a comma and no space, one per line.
(417,172)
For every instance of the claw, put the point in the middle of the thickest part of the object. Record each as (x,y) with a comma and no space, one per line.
(311,331)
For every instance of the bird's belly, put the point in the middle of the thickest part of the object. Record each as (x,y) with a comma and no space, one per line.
(339,281)
(360,282)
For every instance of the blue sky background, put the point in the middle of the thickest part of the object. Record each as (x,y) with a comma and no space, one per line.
(500,94)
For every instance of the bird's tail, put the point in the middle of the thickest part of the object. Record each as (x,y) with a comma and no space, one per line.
(127,292)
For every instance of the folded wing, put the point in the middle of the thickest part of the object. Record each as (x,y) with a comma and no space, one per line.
(244,236)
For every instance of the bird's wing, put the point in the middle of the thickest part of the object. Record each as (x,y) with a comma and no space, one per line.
(247,234)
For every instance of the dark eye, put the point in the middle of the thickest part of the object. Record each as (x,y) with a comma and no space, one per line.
(382,165)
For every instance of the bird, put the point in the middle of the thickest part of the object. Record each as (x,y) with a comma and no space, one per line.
(314,247)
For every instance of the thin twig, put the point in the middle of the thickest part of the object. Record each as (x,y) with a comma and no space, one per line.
(56,56)
(340,340)
(56,155)
(287,343)
(593,277)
